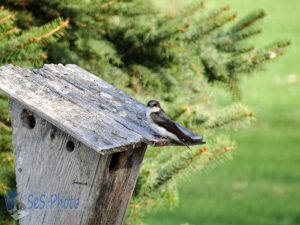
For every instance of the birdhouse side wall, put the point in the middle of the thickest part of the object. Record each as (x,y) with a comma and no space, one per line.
(62,181)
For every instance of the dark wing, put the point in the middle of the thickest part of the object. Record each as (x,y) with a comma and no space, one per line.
(163,120)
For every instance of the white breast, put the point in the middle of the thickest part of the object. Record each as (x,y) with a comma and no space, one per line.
(158,129)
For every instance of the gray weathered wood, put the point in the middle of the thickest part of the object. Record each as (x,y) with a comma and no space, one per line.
(62,118)
(102,183)
(82,105)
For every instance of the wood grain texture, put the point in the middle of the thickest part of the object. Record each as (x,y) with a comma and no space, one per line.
(44,166)
(82,105)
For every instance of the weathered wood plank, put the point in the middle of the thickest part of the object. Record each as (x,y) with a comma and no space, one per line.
(119,106)
(82,105)
(117,186)
(103,184)
(95,129)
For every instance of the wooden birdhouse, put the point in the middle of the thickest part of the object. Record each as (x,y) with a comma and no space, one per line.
(78,144)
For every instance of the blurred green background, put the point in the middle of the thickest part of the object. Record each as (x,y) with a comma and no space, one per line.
(262,183)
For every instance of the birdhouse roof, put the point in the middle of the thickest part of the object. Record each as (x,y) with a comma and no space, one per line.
(82,105)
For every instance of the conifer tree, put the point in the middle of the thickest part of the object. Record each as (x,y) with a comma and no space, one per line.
(24,48)
(170,57)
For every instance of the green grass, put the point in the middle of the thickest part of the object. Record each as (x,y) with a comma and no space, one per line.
(261,186)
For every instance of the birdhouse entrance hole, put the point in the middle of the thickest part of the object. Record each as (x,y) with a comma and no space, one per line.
(70,146)
(28,119)
(117,161)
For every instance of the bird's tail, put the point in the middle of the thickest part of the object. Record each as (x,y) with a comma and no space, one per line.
(193,142)
(198,140)
(183,143)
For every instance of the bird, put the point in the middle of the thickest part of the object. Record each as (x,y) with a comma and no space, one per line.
(166,127)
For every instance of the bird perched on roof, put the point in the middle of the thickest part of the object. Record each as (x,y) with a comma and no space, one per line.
(165,127)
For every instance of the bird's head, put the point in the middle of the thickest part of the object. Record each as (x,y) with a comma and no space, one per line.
(154,106)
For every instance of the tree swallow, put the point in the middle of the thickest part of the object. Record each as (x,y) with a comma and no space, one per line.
(164,126)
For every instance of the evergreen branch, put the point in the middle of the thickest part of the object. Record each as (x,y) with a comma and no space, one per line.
(7,157)
(237,49)
(214,67)
(244,34)
(191,9)
(217,13)
(216,155)
(275,49)
(209,23)
(5,127)
(8,17)
(130,8)
(173,167)
(61,26)
(217,152)
(178,112)
(159,184)
(26,44)
(219,23)
(234,88)
(255,59)
(176,47)
(168,31)
(13,30)
(142,78)
(6,142)
(247,21)
(3,187)
(184,162)
(107,4)
(232,39)
(228,116)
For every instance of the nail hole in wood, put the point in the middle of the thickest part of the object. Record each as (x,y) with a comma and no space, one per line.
(28,119)
(52,134)
(70,146)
